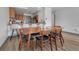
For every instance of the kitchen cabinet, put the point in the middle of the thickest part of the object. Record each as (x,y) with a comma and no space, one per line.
(12,12)
(19,17)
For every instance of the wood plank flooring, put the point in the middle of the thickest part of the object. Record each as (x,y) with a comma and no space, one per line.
(71,44)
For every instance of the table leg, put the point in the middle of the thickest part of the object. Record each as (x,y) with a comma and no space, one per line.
(20,41)
(28,43)
(41,43)
(55,42)
(50,40)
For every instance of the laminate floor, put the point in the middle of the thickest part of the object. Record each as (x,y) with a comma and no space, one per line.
(71,43)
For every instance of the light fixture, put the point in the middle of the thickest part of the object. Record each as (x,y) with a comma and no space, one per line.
(27,14)
(23,7)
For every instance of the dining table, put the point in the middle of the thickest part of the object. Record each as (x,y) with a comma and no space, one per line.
(31,30)
(43,31)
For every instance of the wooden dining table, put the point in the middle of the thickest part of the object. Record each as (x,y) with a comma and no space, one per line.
(31,30)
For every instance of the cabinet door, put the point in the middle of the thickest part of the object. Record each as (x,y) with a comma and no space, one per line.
(12,12)
(17,17)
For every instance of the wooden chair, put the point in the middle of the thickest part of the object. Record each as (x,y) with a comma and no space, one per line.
(22,36)
(43,38)
(26,32)
(56,34)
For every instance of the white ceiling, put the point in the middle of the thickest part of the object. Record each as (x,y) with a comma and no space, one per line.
(57,8)
(26,10)
(31,10)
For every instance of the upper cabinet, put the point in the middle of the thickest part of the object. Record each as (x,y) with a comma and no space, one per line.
(19,17)
(12,12)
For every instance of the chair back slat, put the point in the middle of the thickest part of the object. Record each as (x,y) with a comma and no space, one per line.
(57,29)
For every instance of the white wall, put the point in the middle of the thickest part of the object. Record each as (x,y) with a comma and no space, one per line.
(45,13)
(4,17)
(52,20)
(68,18)
(48,16)
(41,14)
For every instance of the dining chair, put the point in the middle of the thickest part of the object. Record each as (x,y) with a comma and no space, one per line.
(26,35)
(22,37)
(42,39)
(56,34)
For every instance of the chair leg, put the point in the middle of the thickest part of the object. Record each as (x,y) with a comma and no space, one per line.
(28,42)
(50,40)
(32,44)
(36,44)
(20,41)
(62,38)
(61,41)
(20,44)
(55,43)
(41,45)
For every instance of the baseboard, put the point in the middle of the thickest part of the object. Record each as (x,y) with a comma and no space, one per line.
(71,33)
(4,42)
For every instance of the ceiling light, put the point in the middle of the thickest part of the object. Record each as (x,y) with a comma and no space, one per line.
(23,7)
(28,14)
